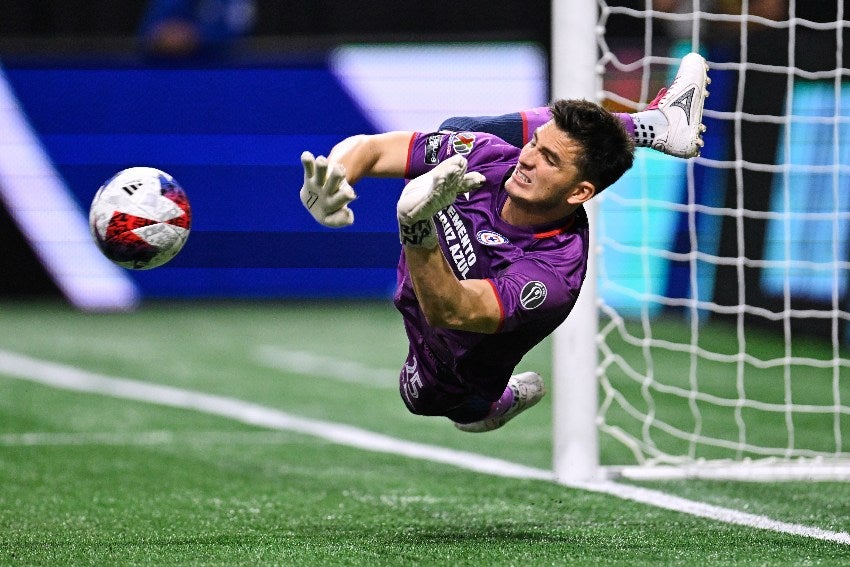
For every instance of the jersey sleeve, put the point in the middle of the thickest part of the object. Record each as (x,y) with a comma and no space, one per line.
(534,289)
(532,120)
(509,127)
(485,153)
(515,128)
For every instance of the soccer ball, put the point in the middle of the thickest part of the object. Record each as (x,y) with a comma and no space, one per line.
(140,218)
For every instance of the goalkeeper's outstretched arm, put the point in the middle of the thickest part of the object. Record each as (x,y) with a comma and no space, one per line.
(445,301)
(327,188)
(377,155)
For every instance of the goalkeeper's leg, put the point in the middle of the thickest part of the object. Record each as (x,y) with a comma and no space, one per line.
(429,389)
(672,123)
(523,391)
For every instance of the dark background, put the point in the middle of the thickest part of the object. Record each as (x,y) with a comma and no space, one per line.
(87,24)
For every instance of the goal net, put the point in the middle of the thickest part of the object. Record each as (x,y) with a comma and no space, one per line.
(721,282)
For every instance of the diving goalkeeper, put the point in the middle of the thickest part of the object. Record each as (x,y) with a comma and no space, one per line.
(494,237)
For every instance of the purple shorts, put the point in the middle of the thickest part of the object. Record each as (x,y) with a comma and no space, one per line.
(429,388)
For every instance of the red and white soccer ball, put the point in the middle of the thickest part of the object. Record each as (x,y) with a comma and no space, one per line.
(140,218)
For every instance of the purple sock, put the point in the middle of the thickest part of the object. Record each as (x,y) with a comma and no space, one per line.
(503,404)
(627,122)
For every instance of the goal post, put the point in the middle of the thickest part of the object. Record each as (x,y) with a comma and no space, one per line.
(574,392)
(712,336)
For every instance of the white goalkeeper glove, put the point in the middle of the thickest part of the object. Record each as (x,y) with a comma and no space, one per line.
(326,194)
(429,193)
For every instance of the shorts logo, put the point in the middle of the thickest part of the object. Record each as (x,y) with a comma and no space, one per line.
(432,148)
(490,238)
(462,142)
(410,379)
(533,295)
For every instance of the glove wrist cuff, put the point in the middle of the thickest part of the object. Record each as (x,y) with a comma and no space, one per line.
(419,234)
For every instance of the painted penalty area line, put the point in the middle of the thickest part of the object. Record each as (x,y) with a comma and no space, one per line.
(69,378)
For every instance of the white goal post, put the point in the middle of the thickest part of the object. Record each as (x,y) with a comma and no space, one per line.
(574,397)
(712,335)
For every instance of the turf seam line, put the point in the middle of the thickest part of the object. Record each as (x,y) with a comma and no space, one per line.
(310,364)
(70,378)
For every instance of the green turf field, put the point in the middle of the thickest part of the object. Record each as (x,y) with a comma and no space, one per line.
(94,479)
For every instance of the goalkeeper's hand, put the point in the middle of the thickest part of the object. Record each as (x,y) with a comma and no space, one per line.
(429,193)
(326,194)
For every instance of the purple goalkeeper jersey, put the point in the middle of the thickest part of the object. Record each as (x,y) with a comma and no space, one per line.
(536,272)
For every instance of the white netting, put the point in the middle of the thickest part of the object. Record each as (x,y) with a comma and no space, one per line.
(724,281)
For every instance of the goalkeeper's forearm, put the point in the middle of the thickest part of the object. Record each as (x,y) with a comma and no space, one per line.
(469,305)
(378,155)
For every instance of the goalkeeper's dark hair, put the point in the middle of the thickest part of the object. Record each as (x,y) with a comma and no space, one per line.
(607,149)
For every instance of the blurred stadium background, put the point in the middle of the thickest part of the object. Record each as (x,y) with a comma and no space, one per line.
(230,123)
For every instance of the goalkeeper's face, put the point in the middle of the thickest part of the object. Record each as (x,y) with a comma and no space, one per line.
(546,179)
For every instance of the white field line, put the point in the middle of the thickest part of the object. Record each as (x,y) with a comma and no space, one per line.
(315,365)
(32,439)
(701,509)
(69,378)
(160,437)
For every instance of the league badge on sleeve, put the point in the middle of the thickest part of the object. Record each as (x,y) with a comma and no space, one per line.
(533,295)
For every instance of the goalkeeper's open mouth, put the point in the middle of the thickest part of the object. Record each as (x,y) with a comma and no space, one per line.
(520,177)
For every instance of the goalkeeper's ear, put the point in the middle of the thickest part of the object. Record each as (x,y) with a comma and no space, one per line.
(582,192)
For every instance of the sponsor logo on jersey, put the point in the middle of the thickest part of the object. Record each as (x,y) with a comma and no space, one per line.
(533,295)
(432,148)
(458,241)
(490,238)
(462,142)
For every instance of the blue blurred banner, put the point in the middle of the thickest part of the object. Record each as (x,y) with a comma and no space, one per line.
(232,136)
